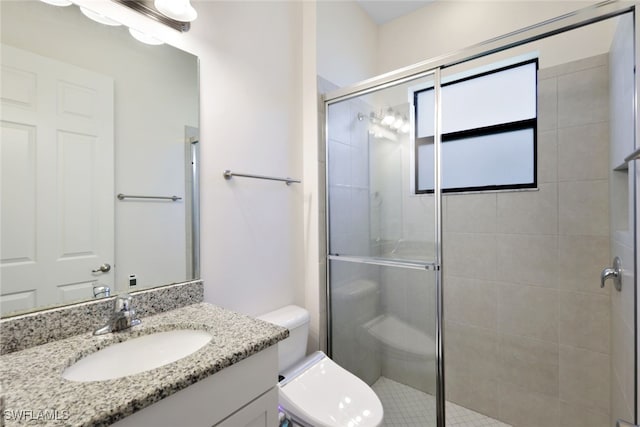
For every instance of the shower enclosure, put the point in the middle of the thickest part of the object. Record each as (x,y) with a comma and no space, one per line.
(473,202)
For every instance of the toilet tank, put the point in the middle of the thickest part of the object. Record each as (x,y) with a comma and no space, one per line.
(294,348)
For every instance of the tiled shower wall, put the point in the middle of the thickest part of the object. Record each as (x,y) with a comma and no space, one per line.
(621,78)
(526,323)
(353,286)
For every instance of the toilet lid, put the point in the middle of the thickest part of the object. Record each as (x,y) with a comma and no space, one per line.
(326,395)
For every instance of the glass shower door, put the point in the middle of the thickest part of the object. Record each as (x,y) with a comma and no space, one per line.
(532,335)
(383,255)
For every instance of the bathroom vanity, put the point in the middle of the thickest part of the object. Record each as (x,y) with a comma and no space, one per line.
(230,381)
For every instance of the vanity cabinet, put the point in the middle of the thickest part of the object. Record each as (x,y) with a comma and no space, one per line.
(262,412)
(243,394)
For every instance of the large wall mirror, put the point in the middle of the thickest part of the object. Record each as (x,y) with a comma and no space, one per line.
(90,113)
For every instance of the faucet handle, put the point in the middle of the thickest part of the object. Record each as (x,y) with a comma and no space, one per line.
(123,316)
(101,291)
(122,303)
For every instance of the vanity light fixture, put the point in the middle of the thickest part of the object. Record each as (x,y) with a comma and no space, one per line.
(387,124)
(148,9)
(102,19)
(180,10)
(144,38)
(98,17)
(58,2)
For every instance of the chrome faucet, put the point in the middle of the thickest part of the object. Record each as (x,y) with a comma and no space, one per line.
(122,317)
(101,291)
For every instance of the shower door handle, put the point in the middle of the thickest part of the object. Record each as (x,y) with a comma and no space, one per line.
(614,273)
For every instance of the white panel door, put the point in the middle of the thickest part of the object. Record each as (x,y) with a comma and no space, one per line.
(57,156)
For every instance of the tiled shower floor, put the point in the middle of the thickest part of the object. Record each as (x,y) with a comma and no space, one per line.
(407,407)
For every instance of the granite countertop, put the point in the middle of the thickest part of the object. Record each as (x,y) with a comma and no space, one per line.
(32,379)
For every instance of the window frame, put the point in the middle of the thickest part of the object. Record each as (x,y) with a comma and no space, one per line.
(479,132)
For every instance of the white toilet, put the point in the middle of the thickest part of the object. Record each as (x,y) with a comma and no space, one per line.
(315,391)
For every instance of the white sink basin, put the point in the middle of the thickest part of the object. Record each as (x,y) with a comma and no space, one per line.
(137,355)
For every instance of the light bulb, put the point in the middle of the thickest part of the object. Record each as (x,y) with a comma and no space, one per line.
(180,10)
(57,2)
(388,118)
(144,38)
(98,17)
(398,122)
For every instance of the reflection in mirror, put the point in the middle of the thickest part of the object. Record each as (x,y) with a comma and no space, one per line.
(88,113)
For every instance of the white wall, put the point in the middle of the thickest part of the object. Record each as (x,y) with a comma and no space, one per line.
(346,42)
(447,26)
(250,121)
(314,257)
(251,230)
(352,48)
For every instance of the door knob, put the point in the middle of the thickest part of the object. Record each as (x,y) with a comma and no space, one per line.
(614,273)
(102,269)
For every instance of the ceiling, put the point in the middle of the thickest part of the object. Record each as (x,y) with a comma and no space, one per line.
(383,11)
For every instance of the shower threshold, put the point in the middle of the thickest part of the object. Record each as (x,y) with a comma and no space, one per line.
(405,406)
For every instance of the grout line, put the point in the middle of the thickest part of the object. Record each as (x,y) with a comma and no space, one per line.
(405,406)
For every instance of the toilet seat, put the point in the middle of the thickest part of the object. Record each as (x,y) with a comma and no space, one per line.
(326,395)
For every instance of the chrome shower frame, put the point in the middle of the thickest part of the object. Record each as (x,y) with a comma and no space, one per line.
(580,18)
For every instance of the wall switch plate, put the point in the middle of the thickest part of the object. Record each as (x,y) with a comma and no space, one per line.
(133,280)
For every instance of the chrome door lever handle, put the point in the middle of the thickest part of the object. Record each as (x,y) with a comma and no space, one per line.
(102,269)
(614,273)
